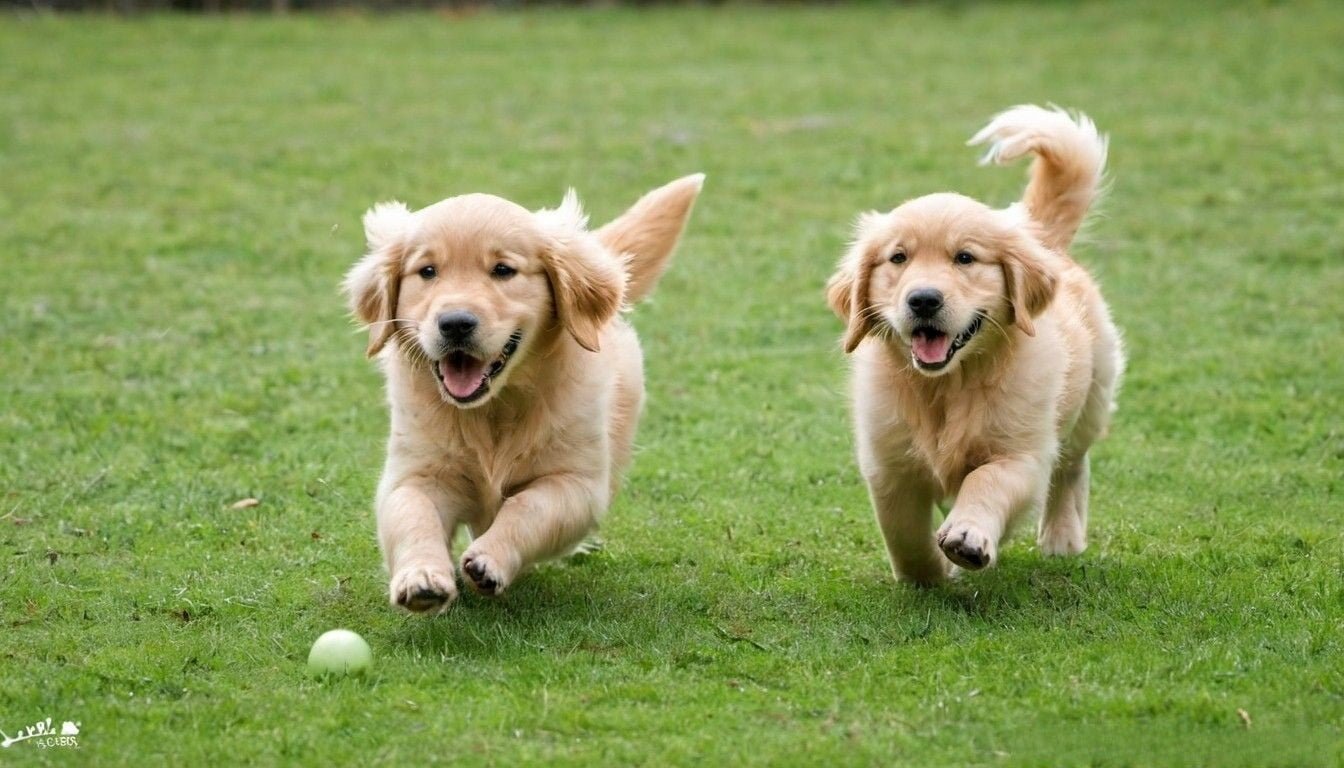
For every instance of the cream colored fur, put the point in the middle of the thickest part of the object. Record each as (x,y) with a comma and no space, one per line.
(1003,428)
(531,466)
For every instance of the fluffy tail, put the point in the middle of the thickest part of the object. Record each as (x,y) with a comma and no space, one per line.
(1066,175)
(647,234)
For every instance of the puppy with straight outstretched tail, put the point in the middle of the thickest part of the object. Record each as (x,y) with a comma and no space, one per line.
(985,361)
(514,381)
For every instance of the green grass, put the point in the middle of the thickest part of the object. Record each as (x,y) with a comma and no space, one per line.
(179,198)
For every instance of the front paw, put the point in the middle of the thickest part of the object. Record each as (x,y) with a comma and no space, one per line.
(485,573)
(966,544)
(423,590)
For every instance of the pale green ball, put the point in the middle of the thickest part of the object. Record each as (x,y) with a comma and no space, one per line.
(339,652)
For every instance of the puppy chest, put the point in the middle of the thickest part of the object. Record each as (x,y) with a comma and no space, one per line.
(487,476)
(952,463)
(954,446)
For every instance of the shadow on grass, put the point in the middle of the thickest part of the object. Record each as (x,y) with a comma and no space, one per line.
(1030,584)
(1025,591)
(604,605)
(591,604)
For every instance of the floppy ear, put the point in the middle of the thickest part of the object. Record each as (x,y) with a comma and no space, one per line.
(587,280)
(646,234)
(847,290)
(840,290)
(1030,276)
(371,284)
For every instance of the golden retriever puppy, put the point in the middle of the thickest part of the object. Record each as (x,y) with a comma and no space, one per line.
(514,381)
(985,362)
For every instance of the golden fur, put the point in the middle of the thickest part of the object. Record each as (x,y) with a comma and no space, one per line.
(1002,424)
(530,458)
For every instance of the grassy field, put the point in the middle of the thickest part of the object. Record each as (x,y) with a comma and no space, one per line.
(179,198)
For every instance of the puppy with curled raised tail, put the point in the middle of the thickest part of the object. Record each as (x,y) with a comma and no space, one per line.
(514,382)
(985,362)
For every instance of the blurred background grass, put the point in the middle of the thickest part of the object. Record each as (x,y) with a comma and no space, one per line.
(179,197)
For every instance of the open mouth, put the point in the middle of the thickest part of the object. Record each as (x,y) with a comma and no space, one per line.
(467,378)
(932,349)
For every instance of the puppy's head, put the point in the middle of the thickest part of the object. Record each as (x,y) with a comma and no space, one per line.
(465,287)
(941,276)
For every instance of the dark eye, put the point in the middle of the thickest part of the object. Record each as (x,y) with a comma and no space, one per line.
(503,271)
(429,273)
(964,257)
(898,257)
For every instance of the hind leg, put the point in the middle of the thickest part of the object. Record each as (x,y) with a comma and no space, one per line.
(1063,528)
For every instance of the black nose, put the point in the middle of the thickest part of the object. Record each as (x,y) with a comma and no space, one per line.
(925,302)
(457,326)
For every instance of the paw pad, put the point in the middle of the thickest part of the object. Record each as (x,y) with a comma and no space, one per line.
(480,577)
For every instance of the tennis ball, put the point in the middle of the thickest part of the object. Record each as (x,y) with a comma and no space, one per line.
(339,652)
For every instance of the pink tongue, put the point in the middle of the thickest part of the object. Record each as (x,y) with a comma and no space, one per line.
(462,377)
(931,350)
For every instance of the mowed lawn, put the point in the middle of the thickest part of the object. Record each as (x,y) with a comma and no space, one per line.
(179,198)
